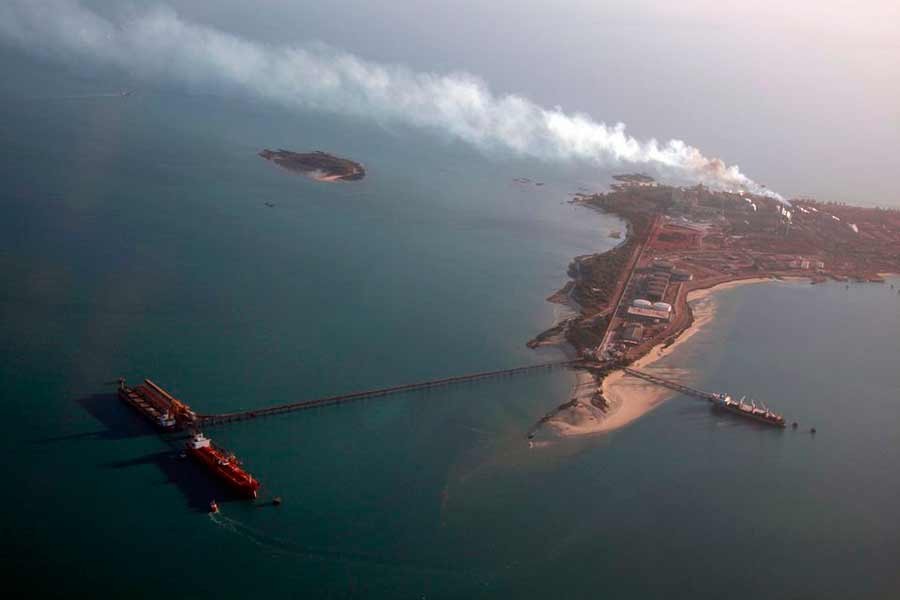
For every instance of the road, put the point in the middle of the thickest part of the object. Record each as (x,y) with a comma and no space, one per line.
(614,319)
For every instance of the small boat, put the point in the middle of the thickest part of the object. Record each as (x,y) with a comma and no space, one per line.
(213,507)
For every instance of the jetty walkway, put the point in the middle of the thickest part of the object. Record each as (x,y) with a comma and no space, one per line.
(672,385)
(244,415)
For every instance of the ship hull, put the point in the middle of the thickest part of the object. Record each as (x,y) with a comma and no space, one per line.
(758,418)
(149,412)
(235,478)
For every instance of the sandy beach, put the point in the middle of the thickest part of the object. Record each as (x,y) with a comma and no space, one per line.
(322,176)
(630,398)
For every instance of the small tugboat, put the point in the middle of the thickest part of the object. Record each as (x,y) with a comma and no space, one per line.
(223,465)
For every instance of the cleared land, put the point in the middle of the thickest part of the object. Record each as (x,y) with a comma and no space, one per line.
(634,298)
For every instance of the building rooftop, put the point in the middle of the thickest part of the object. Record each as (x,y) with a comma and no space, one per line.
(648,313)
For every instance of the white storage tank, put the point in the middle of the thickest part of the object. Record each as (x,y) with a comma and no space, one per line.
(641,303)
(665,306)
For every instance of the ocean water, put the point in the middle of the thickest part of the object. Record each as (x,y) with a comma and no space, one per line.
(135,241)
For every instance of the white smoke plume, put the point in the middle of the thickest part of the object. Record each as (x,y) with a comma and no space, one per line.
(155,44)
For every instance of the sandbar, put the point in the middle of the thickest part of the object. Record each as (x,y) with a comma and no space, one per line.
(629,398)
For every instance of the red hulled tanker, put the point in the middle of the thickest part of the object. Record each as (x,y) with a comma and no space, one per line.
(224,465)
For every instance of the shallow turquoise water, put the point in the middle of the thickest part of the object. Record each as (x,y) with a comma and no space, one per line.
(135,241)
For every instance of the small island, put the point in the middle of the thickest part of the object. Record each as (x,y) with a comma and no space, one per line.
(317,165)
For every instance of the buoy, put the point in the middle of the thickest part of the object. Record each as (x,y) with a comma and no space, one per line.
(812,430)
(794,425)
(276,501)
(213,507)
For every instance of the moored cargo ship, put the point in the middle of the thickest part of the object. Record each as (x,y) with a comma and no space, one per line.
(223,465)
(154,403)
(750,411)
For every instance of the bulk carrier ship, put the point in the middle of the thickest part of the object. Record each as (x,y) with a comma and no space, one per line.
(156,405)
(168,413)
(751,411)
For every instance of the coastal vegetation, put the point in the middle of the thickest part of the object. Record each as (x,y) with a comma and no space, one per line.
(317,165)
(596,276)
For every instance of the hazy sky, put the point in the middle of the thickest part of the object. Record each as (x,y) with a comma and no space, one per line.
(804,96)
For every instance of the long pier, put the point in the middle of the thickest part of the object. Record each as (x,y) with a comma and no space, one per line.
(354,396)
(760,414)
(672,385)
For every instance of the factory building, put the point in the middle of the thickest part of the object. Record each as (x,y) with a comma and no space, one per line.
(656,293)
(679,275)
(633,333)
(664,306)
(651,314)
(656,285)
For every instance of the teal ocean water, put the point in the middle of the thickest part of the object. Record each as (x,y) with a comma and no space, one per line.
(135,241)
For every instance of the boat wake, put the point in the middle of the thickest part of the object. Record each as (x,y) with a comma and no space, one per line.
(281,548)
(236,527)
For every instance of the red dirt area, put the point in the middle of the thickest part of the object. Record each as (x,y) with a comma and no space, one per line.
(676,237)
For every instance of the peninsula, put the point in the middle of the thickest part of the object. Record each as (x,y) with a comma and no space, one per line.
(317,165)
(631,303)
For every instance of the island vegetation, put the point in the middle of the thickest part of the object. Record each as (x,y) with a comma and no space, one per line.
(317,165)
